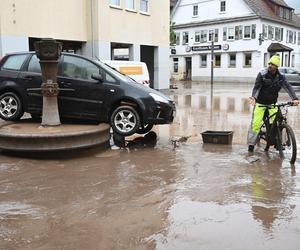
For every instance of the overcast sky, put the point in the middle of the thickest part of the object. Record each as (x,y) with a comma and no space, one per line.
(294,4)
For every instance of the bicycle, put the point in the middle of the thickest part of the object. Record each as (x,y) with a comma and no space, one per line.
(276,132)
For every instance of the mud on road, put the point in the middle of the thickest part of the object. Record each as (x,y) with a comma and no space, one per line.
(185,196)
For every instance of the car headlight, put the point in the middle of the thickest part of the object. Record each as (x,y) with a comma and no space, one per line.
(158,98)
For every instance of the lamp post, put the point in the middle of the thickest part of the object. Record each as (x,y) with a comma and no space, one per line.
(212,62)
(211,73)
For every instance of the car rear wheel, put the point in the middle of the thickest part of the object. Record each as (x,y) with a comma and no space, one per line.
(10,107)
(125,120)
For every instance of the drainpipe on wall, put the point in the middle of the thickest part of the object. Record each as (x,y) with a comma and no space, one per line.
(0,39)
(92,29)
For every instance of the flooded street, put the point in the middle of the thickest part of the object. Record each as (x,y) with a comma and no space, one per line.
(176,195)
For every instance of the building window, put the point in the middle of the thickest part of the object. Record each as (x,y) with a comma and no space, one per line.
(197,37)
(195,10)
(177,38)
(290,36)
(278,34)
(270,32)
(224,33)
(280,12)
(286,61)
(216,35)
(210,35)
(185,37)
(144,5)
(265,31)
(175,65)
(115,2)
(285,13)
(203,36)
(217,60)
(238,32)
(230,33)
(203,61)
(293,61)
(213,35)
(253,31)
(130,4)
(232,60)
(222,6)
(248,60)
(298,38)
(247,32)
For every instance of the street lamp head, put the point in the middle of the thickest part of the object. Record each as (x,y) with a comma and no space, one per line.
(260,38)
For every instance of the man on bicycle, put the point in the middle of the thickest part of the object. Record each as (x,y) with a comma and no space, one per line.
(265,92)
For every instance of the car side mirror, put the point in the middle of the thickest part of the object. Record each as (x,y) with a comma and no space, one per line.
(97,77)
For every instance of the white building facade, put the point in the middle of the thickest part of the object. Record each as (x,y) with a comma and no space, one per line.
(244,34)
(95,28)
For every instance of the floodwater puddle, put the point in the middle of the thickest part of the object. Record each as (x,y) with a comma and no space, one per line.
(180,193)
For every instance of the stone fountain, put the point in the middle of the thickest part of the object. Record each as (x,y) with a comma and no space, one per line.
(50,135)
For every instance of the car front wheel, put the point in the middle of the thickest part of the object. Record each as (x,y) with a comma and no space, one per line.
(10,107)
(125,120)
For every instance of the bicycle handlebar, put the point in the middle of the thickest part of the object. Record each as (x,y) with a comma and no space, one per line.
(277,105)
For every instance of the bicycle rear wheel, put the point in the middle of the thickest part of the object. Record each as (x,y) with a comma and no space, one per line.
(288,147)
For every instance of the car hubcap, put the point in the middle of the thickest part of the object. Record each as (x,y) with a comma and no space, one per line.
(125,121)
(8,106)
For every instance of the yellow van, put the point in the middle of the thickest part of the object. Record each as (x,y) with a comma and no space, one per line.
(134,69)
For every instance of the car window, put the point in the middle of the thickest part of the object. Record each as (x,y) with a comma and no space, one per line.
(107,77)
(116,72)
(34,65)
(14,62)
(79,68)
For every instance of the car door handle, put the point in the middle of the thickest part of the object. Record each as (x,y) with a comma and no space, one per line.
(66,84)
(27,78)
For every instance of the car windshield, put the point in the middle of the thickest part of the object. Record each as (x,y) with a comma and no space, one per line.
(116,72)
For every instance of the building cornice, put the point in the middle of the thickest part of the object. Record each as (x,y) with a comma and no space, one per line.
(216,21)
(232,20)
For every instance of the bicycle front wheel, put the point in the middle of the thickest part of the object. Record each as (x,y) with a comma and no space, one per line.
(288,149)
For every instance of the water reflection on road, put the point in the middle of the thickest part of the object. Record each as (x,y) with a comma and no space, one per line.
(192,196)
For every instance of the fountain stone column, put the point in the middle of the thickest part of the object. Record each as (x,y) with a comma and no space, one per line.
(49,51)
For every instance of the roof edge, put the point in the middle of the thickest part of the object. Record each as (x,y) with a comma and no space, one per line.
(175,8)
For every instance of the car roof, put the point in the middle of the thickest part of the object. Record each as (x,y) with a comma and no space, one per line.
(33,52)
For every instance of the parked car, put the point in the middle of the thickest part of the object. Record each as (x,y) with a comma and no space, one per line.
(138,71)
(99,93)
(291,75)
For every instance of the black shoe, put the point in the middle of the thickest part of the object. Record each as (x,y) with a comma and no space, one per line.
(250,148)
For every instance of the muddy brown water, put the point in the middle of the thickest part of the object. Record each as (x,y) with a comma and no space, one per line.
(187,195)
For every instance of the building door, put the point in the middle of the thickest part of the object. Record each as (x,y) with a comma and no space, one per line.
(147,56)
(188,68)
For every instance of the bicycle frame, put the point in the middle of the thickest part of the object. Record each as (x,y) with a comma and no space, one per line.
(278,132)
(271,128)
